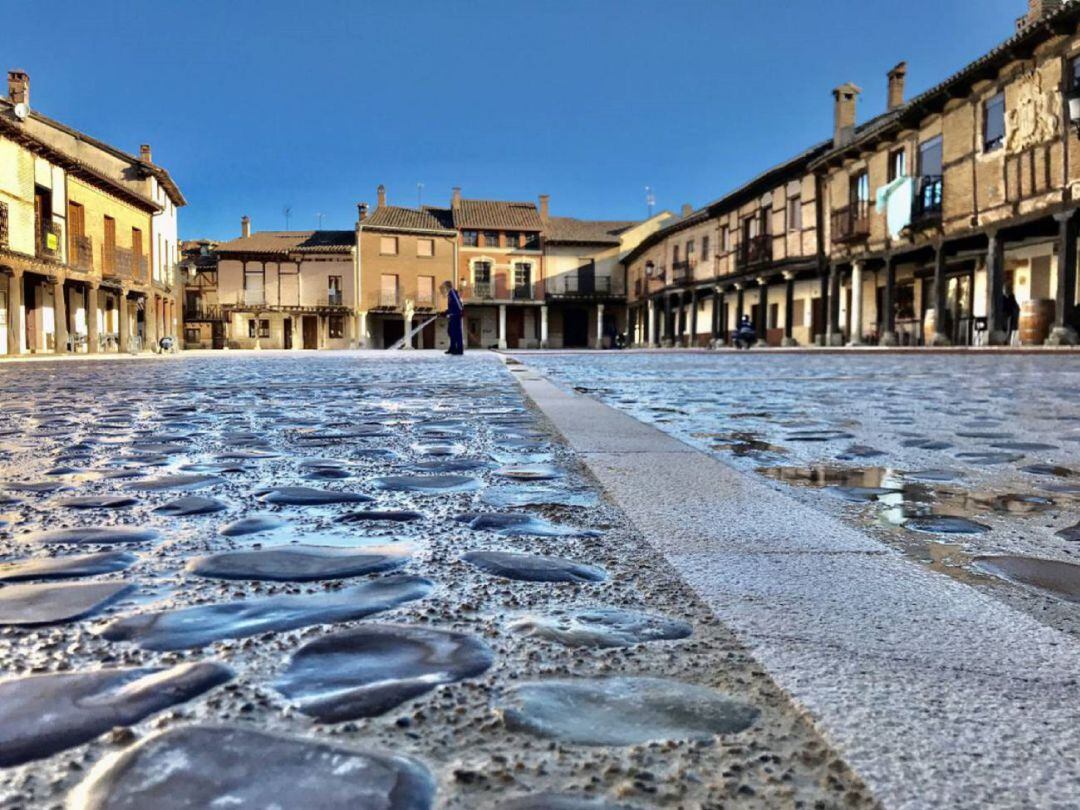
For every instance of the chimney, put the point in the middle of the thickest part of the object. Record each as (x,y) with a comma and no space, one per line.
(18,84)
(245,226)
(381,192)
(455,197)
(361,211)
(545,199)
(687,209)
(1037,9)
(896,86)
(144,153)
(844,117)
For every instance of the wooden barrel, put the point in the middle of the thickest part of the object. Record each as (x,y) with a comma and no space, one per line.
(1036,320)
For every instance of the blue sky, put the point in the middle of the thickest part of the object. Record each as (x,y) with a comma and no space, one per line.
(254,106)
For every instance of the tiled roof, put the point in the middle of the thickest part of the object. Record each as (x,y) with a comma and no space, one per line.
(481,214)
(392,217)
(568,230)
(288,241)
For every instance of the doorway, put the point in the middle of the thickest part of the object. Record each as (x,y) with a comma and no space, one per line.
(217,335)
(393,330)
(427,336)
(958,309)
(515,328)
(576,328)
(310,326)
(287,337)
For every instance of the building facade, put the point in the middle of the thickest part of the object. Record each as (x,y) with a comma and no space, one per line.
(287,289)
(78,220)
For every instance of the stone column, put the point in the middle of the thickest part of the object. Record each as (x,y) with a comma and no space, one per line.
(996,332)
(722,319)
(16,329)
(91,317)
(543,326)
(650,325)
(888,335)
(789,311)
(714,329)
(361,330)
(150,321)
(855,317)
(941,333)
(502,326)
(1064,331)
(122,316)
(835,336)
(822,338)
(667,320)
(409,312)
(693,318)
(599,326)
(60,336)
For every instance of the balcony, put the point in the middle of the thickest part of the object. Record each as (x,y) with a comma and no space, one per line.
(481,290)
(926,207)
(581,285)
(335,298)
(681,271)
(82,253)
(47,242)
(754,250)
(851,223)
(522,292)
(425,300)
(4,232)
(389,299)
(204,313)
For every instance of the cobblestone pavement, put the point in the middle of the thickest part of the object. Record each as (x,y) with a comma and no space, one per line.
(969,465)
(351,580)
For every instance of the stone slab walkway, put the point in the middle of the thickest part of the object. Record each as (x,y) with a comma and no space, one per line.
(936,694)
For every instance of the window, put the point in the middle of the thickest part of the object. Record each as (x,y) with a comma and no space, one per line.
(675,254)
(388,290)
(388,246)
(690,250)
(482,273)
(724,248)
(511,239)
(136,252)
(860,189)
(532,241)
(470,238)
(794,214)
(994,123)
(491,239)
(258,328)
(425,291)
(254,287)
(705,247)
(335,325)
(108,253)
(1074,73)
(425,248)
(930,157)
(897,164)
(522,280)
(333,291)
(78,244)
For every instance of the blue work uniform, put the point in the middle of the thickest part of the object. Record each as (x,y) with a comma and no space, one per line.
(454,311)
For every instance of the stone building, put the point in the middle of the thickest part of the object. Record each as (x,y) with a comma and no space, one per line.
(87,238)
(916,227)
(405,256)
(288,289)
(204,319)
(585,285)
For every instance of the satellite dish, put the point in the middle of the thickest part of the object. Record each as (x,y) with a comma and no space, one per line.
(22,110)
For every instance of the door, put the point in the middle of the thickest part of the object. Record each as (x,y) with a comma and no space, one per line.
(587,278)
(310,325)
(958,305)
(576,328)
(515,328)
(817,317)
(427,336)
(218,335)
(288,333)
(393,330)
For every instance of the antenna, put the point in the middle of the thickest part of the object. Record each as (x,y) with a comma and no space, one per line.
(419,195)
(287,211)
(650,200)
(319,216)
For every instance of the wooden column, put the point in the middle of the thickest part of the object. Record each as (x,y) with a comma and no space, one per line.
(16,329)
(91,317)
(762,326)
(740,304)
(822,338)
(60,335)
(834,336)
(941,329)
(1064,332)
(122,315)
(888,335)
(693,318)
(996,331)
(789,310)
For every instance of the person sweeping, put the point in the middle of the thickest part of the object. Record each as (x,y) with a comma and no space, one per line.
(454,310)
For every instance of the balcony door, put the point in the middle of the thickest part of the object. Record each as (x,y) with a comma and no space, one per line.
(388,290)
(522,280)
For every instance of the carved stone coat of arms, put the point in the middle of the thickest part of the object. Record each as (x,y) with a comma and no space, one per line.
(1032,119)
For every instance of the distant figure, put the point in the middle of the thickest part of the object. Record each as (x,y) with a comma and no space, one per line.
(1011,310)
(454,311)
(745,336)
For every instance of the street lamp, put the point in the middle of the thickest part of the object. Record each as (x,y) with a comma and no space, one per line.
(1074,109)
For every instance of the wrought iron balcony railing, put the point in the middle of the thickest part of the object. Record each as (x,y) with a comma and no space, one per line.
(852,222)
(926,207)
(754,250)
